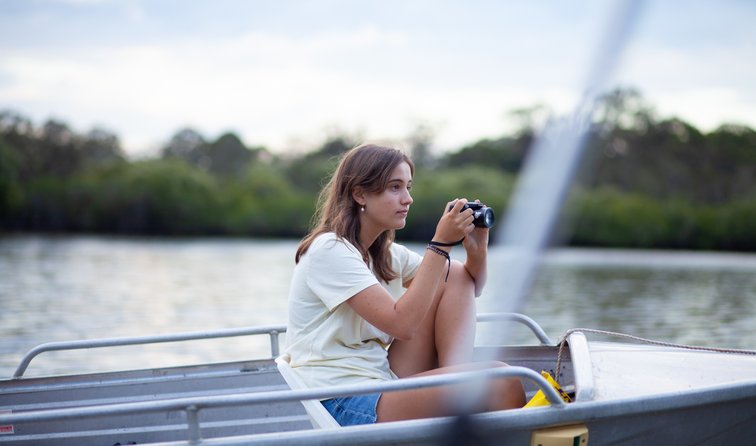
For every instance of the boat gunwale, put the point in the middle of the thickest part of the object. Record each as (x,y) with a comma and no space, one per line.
(272,330)
(197,403)
(490,423)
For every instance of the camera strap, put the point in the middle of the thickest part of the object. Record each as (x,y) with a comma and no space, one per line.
(434,243)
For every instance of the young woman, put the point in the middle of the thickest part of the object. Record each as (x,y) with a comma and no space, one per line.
(363,308)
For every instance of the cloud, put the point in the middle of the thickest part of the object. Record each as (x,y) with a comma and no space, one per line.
(708,85)
(276,79)
(267,86)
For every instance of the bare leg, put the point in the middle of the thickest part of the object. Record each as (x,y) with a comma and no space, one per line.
(504,393)
(455,320)
(446,336)
(444,344)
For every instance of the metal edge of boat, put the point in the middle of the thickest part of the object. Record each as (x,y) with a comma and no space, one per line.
(730,408)
(46,384)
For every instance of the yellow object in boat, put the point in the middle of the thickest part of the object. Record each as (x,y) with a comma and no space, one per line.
(539,399)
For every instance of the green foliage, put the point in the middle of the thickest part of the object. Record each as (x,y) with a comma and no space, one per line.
(504,153)
(225,157)
(311,171)
(146,197)
(44,205)
(163,196)
(738,220)
(608,218)
(11,194)
(264,203)
(634,153)
(649,184)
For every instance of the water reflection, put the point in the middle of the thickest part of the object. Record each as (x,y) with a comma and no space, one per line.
(55,289)
(694,305)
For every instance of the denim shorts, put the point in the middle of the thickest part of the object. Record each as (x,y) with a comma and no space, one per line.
(352,410)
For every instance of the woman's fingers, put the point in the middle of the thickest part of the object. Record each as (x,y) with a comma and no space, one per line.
(456,223)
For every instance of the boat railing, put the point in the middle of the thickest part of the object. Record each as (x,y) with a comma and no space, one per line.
(519,318)
(272,331)
(191,406)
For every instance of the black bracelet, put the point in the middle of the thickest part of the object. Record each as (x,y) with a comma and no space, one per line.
(432,243)
(433,247)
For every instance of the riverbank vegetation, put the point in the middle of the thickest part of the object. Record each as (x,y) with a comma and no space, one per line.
(648,182)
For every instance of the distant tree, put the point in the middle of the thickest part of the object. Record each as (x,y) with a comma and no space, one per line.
(11,192)
(624,108)
(734,153)
(264,203)
(530,120)
(12,122)
(421,141)
(19,135)
(505,153)
(156,197)
(310,171)
(335,146)
(100,146)
(227,156)
(188,145)
(55,149)
(672,158)
(56,152)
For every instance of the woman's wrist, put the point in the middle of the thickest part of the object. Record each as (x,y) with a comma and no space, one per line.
(446,246)
(434,247)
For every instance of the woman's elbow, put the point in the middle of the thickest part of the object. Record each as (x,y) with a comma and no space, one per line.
(405,334)
(478,279)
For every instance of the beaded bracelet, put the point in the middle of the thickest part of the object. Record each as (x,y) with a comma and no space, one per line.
(433,246)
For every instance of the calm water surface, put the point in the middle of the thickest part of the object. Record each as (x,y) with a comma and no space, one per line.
(66,288)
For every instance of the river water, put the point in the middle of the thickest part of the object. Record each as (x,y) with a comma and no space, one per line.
(87,287)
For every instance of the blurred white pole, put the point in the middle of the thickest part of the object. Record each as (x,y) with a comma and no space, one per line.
(544,182)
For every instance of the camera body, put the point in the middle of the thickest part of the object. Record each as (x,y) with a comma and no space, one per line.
(483,216)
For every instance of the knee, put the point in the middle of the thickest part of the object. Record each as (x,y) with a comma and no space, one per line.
(458,272)
(509,393)
(460,278)
(459,287)
(512,393)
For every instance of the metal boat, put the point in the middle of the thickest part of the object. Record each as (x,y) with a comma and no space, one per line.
(624,393)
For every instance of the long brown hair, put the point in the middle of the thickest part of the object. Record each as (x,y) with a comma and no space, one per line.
(369,167)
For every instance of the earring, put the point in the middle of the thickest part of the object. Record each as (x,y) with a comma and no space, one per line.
(362,208)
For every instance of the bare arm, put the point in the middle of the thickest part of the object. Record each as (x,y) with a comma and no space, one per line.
(400,319)
(476,264)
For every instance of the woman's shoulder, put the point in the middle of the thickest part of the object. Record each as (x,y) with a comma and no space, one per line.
(323,238)
(329,241)
(399,251)
(398,248)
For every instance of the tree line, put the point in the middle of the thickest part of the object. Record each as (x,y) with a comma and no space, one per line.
(648,182)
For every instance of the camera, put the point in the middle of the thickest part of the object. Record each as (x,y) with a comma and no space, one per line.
(483,216)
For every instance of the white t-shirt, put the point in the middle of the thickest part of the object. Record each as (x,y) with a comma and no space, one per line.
(329,343)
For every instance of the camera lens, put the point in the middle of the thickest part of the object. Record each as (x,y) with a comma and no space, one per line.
(483,216)
(488,217)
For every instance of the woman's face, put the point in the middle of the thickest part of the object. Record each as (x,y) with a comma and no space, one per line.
(388,209)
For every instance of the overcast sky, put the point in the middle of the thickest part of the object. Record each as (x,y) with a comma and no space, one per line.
(283,74)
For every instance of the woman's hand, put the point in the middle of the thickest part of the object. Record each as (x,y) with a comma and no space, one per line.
(476,246)
(454,225)
(476,242)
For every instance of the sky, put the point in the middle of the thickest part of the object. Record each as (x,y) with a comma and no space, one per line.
(289,74)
